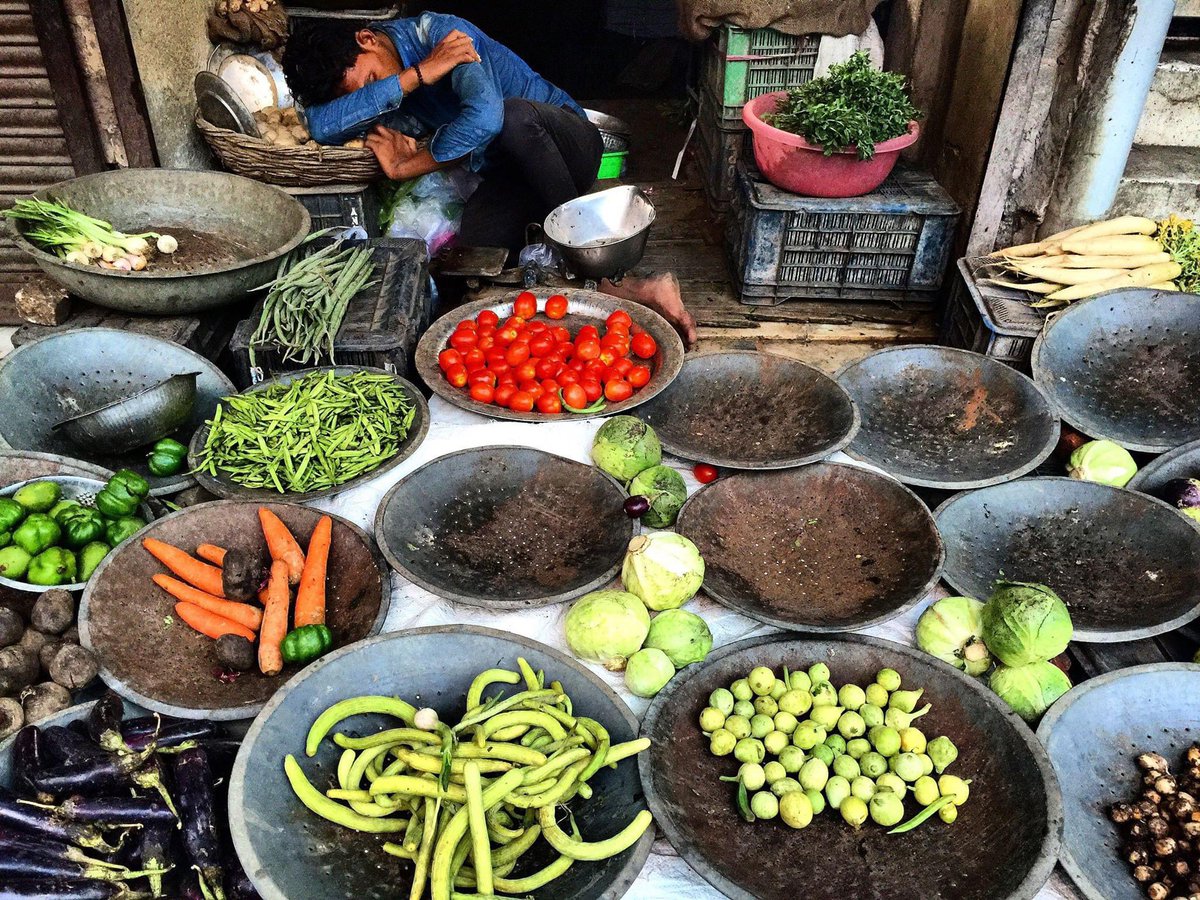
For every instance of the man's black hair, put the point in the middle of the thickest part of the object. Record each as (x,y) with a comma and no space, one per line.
(316,58)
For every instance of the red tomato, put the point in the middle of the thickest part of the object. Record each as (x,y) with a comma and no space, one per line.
(487,317)
(516,354)
(623,367)
(464,340)
(542,345)
(575,396)
(561,334)
(549,404)
(705,473)
(588,348)
(550,386)
(556,307)
(587,333)
(448,358)
(486,341)
(618,390)
(482,376)
(639,376)
(514,321)
(608,357)
(521,401)
(467,325)
(507,378)
(477,366)
(593,390)
(483,393)
(504,394)
(618,316)
(644,345)
(457,375)
(537,327)
(567,376)
(526,371)
(506,336)
(616,343)
(576,365)
(525,305)
(547,368)
(474,355)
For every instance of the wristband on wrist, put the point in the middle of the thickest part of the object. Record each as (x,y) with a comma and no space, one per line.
(420,77)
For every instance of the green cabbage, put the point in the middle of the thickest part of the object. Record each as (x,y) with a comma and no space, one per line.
(625,446)
(648,672)
(682,635)
(607,627)
(663,487)
(663,569)
(1103,462)
(1025,623)
(950,630)
(1030,689)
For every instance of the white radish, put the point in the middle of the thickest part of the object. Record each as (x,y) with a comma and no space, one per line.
(1066,276)
(1117,226)
(1112,245)
(1143,277)
(1163,286)
(1034,287)
(1075,261)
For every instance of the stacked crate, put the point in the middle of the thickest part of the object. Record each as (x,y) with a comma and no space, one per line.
(988,319)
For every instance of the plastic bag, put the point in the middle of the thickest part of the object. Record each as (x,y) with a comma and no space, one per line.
(429,208)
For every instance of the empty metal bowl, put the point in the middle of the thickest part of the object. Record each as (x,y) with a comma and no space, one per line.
(137,420)
(602,235)
(1182,462)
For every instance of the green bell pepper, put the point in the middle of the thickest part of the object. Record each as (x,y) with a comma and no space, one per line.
(81,527)
(134,483)
(36,533)
(90,557)
(5,538)
(122,529)
(13,562)
(306,643)
(61,508)
(38,496)
(167,457)
(121,496)
(52,567)
(11,513)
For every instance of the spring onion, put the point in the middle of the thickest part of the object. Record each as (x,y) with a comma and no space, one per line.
(83,239)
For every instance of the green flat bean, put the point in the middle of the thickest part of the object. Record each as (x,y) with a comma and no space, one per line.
(411,785)
(331,810)
(524,717)
(388,737)
(388,706)
(488,712)
(447,844)
(481,848)
(575,849)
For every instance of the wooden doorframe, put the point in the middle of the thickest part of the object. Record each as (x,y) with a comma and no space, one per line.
(120,67)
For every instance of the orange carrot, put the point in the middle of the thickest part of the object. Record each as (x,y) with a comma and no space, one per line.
(241,613)
(194,572)
(310,596)
(211,553)
(275,619)
(281,544)
(209,623)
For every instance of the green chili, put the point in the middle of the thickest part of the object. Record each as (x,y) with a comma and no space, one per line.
(531,679)
(601,755)
(481,848)
(924,814)
(414,786)
(488,711)
(481,682)
(447,844)
(391,736)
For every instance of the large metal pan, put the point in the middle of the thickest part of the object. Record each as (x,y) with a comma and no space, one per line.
(826,547)
(1125,365)
(1182,462)
(1124,563)
(232,232)
(1002,847)
(602,235)
(748,410)
(1093,735)
(949,419)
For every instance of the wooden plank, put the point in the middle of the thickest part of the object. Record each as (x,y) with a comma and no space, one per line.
(116,49)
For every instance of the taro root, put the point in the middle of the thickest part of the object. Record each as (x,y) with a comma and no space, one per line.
(12,717)
(48,652)
(11,627)
(18,667)
(54,612)
(73,667)
(237,653)
(44,700)
(33,641)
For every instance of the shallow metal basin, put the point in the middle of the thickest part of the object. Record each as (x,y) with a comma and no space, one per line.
(602,235)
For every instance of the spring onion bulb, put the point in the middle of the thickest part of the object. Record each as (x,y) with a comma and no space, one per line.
(82,239)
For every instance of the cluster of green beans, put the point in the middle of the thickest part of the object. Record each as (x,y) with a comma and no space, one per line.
(465,803)
(307,301)
(313,433)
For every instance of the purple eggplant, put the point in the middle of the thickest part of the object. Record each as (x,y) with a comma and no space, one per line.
(154,852)
(67,747)
(28,757)
(140,733)
(194,790)
(237,883)
(45,824)
(14,838)
(221,754)
(110,772)
(110,812)
(18,862)
(46,889)
(1183,494)
(104,722)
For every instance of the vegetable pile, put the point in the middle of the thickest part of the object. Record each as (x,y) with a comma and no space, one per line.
(84,240)
(214,594)
(466,802)
(628,449)
(852,750)
(525,363)
(1161,827)
(49,541)
(854,107)
(313,433)
(112,808)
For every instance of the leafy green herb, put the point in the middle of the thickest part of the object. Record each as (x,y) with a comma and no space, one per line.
(1182,240)
(854,107)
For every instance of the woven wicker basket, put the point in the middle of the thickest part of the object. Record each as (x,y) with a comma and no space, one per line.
(288,166)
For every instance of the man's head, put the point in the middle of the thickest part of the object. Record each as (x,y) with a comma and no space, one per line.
(327,59)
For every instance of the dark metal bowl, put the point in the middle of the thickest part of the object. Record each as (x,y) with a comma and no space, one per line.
(245,226)
(1124,563)
(224,486)
(826,547)
(1125,365)
(505,527)
(585,308)
(137,420)
(428,667)
(748,410)
(86,368)
(1092,736)
(151,657)
(61,718)
(950,419)
(1182,462)
(1003,845)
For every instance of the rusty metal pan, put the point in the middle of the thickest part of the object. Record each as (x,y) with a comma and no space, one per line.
(224,486)
(584,308)
(744,409)
(1124,563)
(1182,462)
(149,656)
(505,527)
(1002,847)
(1125,365)
(823,548)
(28,466)
(943,418)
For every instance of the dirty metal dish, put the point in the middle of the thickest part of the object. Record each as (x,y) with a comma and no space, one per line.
(742,409)
(505,527)
(1182,462)
(86,368)
(232,232)
(129,622)
(425,666)
(137,420)
(950,419)
(602,235)
(1125,365)
(1124,563)
(1003,845)
(224,486)
(221,105)
(585,308)
(1092,736)
(826,547)
(21,466)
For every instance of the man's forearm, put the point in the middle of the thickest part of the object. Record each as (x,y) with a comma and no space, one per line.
(420,163)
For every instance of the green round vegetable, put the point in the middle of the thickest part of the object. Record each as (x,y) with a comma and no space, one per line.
(817,799)
(720,699)
(14,562)
(799,681)
(890,781)
(765,805)
(1029,689)
(836,743)
(952,785)
(774,772)
(664,488)
(38,496)
(824,753)
(837,789)
(80,526)
(167,457)
(607,627)
(826,716)
(796,809)
(776,742)
(858,747)
(778,689)
(625,446)
(952,630)
(765,706)
(721,743)
(745,709)
(682,635)
(37,533)
(872,764)
(851,696)
(781,786)
(120,530)
(846,766)
(912,740)
(872,715)
(304,644)
(741,690)
(886,740)
(942,752)
(90,557)
(761,726)
(749,750)
(664,569)
(862,787)
(761,680)
(785,722)
(813,775)
(796,702)
(791,758)
(52,567)
(807,735)
(888,679)
(1104,462)
(647,672)
(948,813)
(711,719)
(886,809)
(823,694)
(854,811)
(906,765)
(851,725)
(925,790)
(818,672)
(752,776)
(877,695)
(1025,623)
(11,513)
(738,726)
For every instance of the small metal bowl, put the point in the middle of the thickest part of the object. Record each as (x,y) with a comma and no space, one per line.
(137,420)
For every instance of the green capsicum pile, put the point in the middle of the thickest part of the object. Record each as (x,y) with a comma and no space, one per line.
(47,540)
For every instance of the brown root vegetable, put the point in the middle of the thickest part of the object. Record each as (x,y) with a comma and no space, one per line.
(48,652)
(71,635)
(54,612)
(32,641)
(237,653)
(11,626)
(73,667)
(44,700)
(12,717)
(241,575)
(19,667)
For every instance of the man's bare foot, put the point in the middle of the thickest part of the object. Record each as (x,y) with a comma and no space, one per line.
(660,293)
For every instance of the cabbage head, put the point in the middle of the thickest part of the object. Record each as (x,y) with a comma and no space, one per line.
(951,630)
(1025,623)
(1030,690)
(1104,462)
(607,627)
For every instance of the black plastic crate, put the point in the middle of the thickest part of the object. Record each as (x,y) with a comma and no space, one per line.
(342,206)
(381,326)
(719,148)
(991,320)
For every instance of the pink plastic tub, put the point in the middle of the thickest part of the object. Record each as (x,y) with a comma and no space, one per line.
(790,162)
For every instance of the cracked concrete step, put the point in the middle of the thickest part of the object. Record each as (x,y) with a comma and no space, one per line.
(1171,117)
(1160,180)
